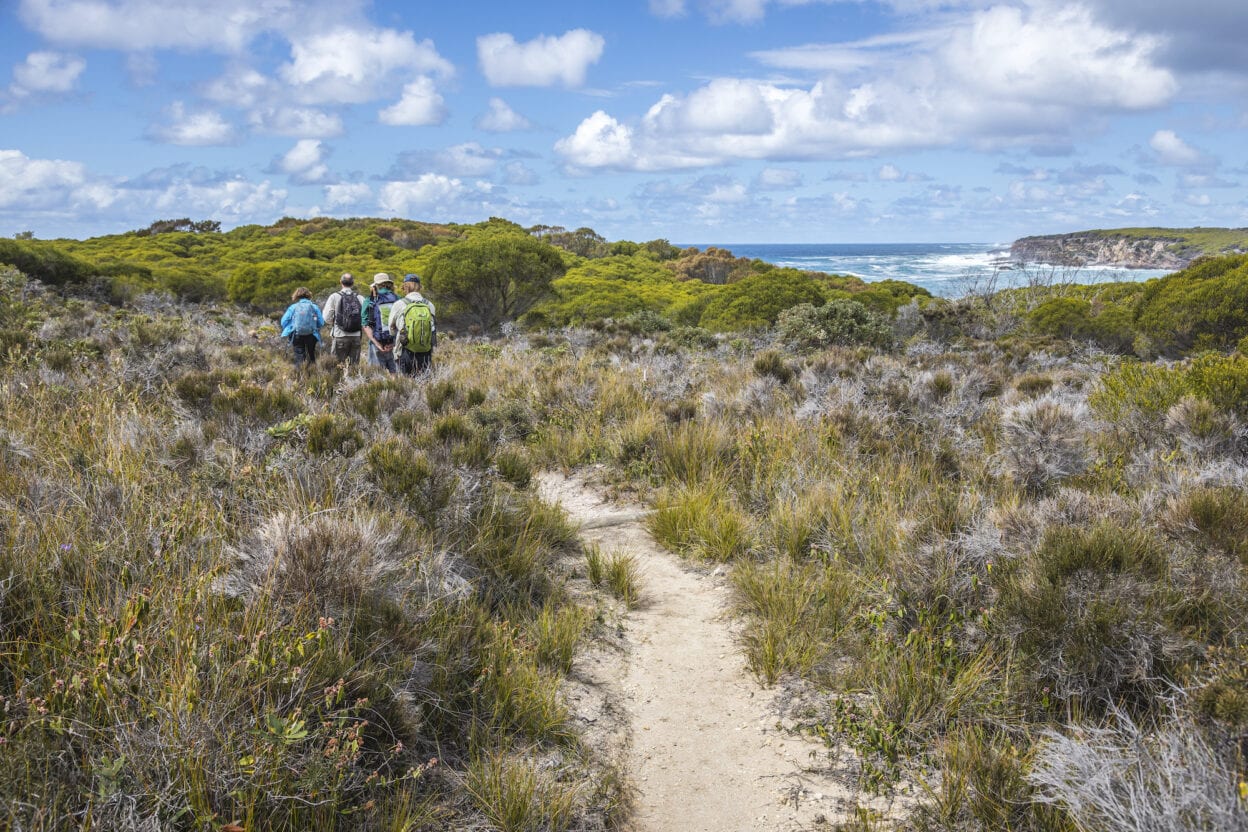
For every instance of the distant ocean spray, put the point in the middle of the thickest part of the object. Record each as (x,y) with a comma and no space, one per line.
(944,269)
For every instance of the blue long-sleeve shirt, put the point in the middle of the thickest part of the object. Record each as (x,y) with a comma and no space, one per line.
(288,319)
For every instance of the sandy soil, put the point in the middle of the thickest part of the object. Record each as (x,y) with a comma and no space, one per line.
(700,739)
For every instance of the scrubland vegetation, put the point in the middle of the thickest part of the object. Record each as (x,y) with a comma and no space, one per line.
(999,545)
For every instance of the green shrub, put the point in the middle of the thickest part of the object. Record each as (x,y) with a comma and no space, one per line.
(516,796)
(1222,379)
(1132,388)
(756,301)
(808,327)
(1102,549)
(1033,384)
(689,337)
(556,632)
(256,403)
(269,285)
(371,398)
(453,427)
(329,434)
(41,261)
(1205,306)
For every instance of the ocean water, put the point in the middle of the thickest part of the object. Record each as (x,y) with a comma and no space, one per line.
(944,269)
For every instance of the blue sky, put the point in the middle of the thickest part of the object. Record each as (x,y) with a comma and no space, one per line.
(693,120)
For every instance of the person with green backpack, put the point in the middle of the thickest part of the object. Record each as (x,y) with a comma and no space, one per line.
(376,320)
(415,327)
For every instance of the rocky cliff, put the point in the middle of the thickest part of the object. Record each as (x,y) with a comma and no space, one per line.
(1098,248)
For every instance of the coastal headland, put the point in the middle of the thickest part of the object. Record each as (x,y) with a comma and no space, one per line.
(1131,248)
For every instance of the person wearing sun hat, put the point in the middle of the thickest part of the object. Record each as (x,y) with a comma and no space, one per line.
(375,316)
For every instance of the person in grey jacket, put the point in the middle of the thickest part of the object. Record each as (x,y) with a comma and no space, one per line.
(343,311)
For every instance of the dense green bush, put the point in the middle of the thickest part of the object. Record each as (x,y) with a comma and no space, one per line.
(43,262)
(1205,306)
(840,322)
(1150,390)
(269,285)
(756,301)
(616,287)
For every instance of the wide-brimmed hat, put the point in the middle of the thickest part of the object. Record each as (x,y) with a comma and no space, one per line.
(382,277)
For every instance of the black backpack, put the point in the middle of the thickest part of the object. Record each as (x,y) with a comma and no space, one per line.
(348,317)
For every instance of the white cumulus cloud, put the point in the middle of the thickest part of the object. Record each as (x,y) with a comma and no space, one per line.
(519,174)
(234,200)
(542,62)
(60,191)
(39,183)
(195,129)
(420,105)
(46,72)
(1172,150)
(500,118)
(997,77)
(347,194)
(240,87)
(428,192)
(305,162)
(725,105)
(599,142)
(350,66)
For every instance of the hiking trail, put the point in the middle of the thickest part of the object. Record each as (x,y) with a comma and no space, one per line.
(700,739)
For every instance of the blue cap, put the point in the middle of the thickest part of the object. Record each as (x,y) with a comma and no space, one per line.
(414,278)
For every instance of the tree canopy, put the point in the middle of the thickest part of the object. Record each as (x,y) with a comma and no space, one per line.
(491,278)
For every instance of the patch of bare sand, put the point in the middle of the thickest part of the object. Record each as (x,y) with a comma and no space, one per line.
(700,739)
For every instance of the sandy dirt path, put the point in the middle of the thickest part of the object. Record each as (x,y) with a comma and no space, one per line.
(703,749)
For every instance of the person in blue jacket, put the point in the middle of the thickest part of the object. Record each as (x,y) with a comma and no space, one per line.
(302,324)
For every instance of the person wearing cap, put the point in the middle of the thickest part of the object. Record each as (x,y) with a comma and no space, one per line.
(411,363)
(342,309)
(376,321)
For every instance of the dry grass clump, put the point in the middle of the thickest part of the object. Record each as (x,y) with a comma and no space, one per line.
(328,560)
(1125,777)
(1044,441)
(1201,429)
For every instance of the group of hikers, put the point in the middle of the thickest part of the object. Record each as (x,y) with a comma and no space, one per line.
(401,330)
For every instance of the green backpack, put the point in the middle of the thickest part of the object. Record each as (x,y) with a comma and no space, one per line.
(418,326)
